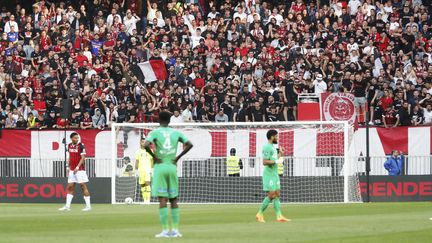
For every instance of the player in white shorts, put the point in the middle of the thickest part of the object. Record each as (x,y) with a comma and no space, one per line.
(76,172)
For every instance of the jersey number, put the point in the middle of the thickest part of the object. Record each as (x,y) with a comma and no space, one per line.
(167,143)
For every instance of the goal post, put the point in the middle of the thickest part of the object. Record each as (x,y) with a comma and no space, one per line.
(318,165)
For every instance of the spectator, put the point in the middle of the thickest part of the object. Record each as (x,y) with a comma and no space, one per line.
(21,123)
(176,117)
(11,122)
(404,114)
(98,119)
(257,113)
(427,114)
(359,88)
(395,163)
(11,24)
(221,116)
(49,121)
(417,116)
(390,118)
(263,51)
(319,85)
(187,113)
(31,121)
(86,122)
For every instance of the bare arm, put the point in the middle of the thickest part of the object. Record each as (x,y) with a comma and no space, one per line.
(397,122)
(188,147)
(80,163)
(268,162)
(148,149)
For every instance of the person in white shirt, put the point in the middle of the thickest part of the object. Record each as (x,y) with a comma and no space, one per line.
(10,23)
(221,116)
(337,7)
(130,21)
(427,114)
(276,16)
(195,39)
(369,49)
(213,13)
(240,14)
(354,5)
(253,16)
(110,18)
(152,8)
(319,85)
(176,118)
(352,46)
(187,113)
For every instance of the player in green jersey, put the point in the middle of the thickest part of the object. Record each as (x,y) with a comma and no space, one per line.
(270,178)
(165,180)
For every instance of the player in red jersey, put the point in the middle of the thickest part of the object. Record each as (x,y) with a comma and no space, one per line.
(76,172)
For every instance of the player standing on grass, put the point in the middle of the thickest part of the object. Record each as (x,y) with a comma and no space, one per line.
(76,172)
(165,180)
(270,178)
(144,164)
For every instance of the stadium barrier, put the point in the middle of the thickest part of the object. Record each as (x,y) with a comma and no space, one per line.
(398,188)
(33,167)
(53,190)
(50,190)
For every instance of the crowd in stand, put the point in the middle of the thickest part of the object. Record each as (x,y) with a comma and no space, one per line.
(226,60)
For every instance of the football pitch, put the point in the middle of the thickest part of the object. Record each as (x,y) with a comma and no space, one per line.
(375,222)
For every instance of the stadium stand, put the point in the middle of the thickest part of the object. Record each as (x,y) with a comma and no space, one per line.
(225,60)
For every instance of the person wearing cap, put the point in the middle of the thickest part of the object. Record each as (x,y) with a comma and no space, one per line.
(234,164)
(319,85)
(127,168)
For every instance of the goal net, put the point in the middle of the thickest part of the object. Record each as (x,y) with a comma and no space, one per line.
(317,163)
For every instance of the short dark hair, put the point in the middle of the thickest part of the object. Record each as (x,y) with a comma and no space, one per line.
(271,133)
(164,117)
(73,134)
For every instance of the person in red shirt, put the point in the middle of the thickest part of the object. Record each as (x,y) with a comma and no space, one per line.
(86,122)
(62,123)
(76,172)
(199,82)
(109,42)
(386,100)
(298,6)
(44,41)
(81,58)
(390,117)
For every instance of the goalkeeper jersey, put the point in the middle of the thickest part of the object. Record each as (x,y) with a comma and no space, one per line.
(144,160)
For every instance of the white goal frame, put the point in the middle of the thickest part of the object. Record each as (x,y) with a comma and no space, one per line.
(346,130)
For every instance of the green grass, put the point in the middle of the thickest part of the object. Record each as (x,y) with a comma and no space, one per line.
(378,222)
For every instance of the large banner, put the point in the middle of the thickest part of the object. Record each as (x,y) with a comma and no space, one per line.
(382,189)
(397,188)
(338,107)
(50,190)
(45,145)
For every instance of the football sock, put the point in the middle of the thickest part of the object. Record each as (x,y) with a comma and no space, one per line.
(163,217)
(264,204)
(146,190)
(68,200)
(87,201)
(175,218)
